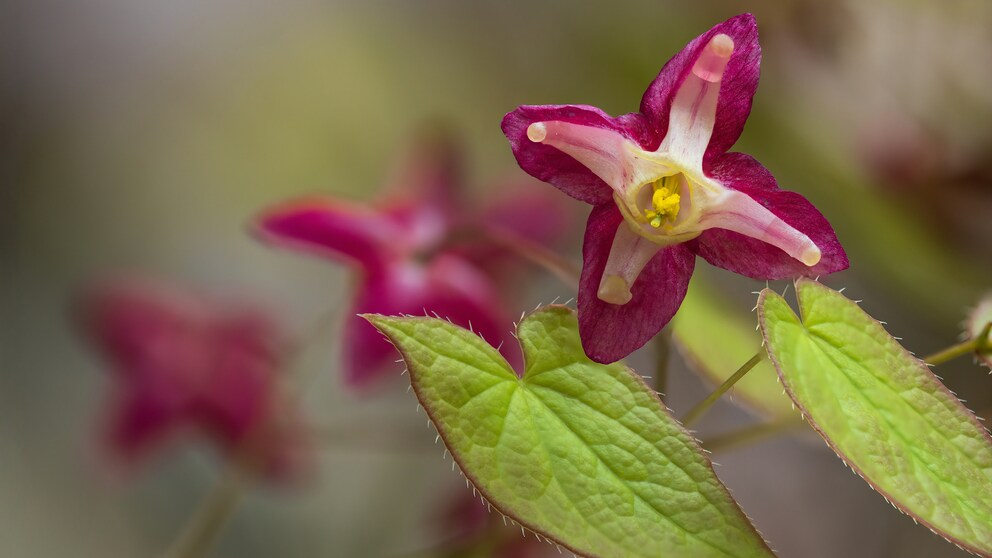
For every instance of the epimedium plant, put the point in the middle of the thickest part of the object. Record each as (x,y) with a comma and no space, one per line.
(580,451)
(587,456)
(548,427)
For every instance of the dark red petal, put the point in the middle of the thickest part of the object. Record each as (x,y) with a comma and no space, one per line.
(551,165)
(448,286)
(366,356)
(424,191)
(129,320)
(139,421)
(610,332)
(754,258)
(430,170)
(740,81)
(335,229)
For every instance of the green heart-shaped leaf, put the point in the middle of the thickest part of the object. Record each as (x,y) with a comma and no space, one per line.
(581,453)
(715,338)
(884,413)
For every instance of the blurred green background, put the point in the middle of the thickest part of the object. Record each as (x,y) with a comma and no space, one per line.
(142,136)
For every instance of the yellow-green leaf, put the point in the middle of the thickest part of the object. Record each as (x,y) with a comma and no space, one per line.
(884,413)
(582,453)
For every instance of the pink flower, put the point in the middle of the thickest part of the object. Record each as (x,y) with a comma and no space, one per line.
(665,190)
(416,249)
(187,366)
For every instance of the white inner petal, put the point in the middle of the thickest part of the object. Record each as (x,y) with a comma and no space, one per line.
(693,114)
(628,256)
(609,155)
(739,212)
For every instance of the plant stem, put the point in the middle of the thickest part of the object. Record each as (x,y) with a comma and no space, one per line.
(210,517)
(979,343)
(951,353)
(712,398)
(749,434)
(662,352)
(203,526)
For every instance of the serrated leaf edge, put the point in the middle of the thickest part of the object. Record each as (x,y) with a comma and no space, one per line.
(804,413)
(487,498)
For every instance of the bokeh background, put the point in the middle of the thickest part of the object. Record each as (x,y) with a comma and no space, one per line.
(143,136)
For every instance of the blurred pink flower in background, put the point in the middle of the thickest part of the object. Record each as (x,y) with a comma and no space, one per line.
(516,211)
(186,366)
(420,248)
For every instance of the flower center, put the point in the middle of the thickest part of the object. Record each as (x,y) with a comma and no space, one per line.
(664,201)
(662,209)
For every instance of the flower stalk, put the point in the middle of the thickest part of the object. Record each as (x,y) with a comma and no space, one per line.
(696,412)
(978,344)
(662,354)
(202,528)
(215,510)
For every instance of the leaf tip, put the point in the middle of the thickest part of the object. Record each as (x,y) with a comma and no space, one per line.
(375,319)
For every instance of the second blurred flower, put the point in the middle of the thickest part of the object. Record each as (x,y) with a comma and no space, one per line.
(419,248)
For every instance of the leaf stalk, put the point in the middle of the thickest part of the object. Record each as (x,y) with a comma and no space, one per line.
(696,412)
(978,344)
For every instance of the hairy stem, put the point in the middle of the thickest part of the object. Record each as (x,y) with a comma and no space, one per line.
(696,412)
(662,352)
(978,344)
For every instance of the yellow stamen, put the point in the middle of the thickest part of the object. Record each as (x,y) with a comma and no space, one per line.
(664,201)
